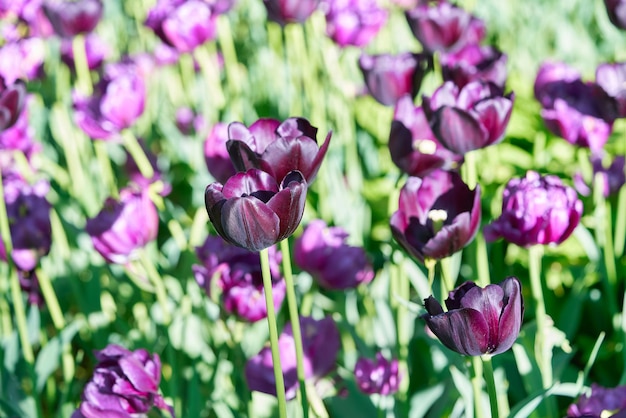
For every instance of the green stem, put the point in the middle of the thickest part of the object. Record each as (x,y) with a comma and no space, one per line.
(471,176)
(105,166)
(231,65)
(159,286)
(482,260)
(491,385)
(52,303)
(620,223)
(137,154)
(292,303)
(83,78)
(477,386)
(206,55)
(273,329)
(542,353)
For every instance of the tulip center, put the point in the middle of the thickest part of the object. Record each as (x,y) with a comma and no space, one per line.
(438,217)
(425,146)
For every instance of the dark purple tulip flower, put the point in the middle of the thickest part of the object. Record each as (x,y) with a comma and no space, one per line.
(12,100)
(29,283)
(379,376)
(389,77)
(320,345)
(216,155)
(536,210)
(354,22)
(474,63)
(479,320)
(469,118)
(600,402)
(290,11)
(189,123)
(612,78)
(237,273)
(19,137)
(323,252)
(613,177)
(97,51)
(22,59)
(437,215)
(413,146)
(70,18)
(277,148)
(124,384)
(550,77)
(253,211)
(616,9)
(124,226)
(444,27)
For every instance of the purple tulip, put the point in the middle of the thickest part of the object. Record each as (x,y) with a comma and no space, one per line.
(221,6)
(19,137)
(95,48)
(322,252)
(479,320)
(124,383)
(290,11)
(237,273)
(616,9)
(12,99)
(550,77)
(70,18)
(536,210)
(354,22)
(600,402)
(188,122)
(444,27)
(474,63)
(253,211)
(124,226)
(437,215)
(413,146)
(29,283)
(469,118)
(389,77)
(612,78)
(277,148)
(612,177)
(216,155)
(137,178)
(29,12)
(117,102)
(320,344)
(22,59)
(379,376)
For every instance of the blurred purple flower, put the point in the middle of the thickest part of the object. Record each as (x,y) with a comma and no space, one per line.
(320,343)
(237,273)
(322,251)
(221,6)
(70,18)
(184,120)
(289,11)
(19,137)
(437,215)
(95,48)
(536,210)
(600,402)
(612,78)
(123,226)
(479,320)
(124,383)
(379,376)
(613,177)
(22,59)
(550,76)
(134,173)
(29,283)
(616,9)
(468,118)
(277,148)
(413,146)
(165,55)
(474,63)
(353,22)
(12,100)
(444,27)
(29,12)
(389,77)
(216,155)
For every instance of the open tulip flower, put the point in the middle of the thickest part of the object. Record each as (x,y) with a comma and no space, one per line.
(468,118)
(377,375)
(474,62)
(437,215)
(289,11)
(253,211)
(354,22)
(12,100)
(277,148)
(612,78)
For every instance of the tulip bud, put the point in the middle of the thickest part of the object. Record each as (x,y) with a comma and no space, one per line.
(70,18)
(354,22)
(379,376)
(288,11)
(600,402)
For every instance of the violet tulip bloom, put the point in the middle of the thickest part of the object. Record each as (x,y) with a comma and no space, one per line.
(437,215)
(19,137)
(12,100)
(96,51)
(550,77)
(616,9)
(413,146)
(474,63)
(322,251)
(71,18)
(253,211)
(469,118)
(354,22)
(536,210)
(22,59)
(389,77)
(237,273)
(289,11)
(612,177)
(277,148)
(600,402)
(216,155)
(379,376)
(479,320)
(612,78)
(444,27)
(124,226)
(320,345)
(124,383)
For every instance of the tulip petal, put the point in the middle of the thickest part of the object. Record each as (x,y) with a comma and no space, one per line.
(494,115)
(137,375)
(458,131)
(512,314)
(464,331)
(288,204)
(242,157)
(293,128)
(249,223)
(253,182)
(288,154)
(263,132)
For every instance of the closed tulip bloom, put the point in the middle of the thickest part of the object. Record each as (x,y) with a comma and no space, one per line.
(96,50)
(354,22)
(70,18)
(320,345)
(616,9)
(216,154)
(322,251)
(413,146)
(437,215)
(290,11)
(600,402)
(277,148)
(124,383)
(379,375)
(474,63)
(12,100)
(253,211)
(389,77)
(612,78)
(237,273)
(468,118)
(479,320)
(536,210)
(124,226)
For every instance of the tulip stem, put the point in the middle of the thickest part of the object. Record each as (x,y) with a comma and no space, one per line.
(620,223)
(477,386)
(491,385)
(292,303)
(273,329)
(105,166)
(159,286)
(83,78)
(137,154)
